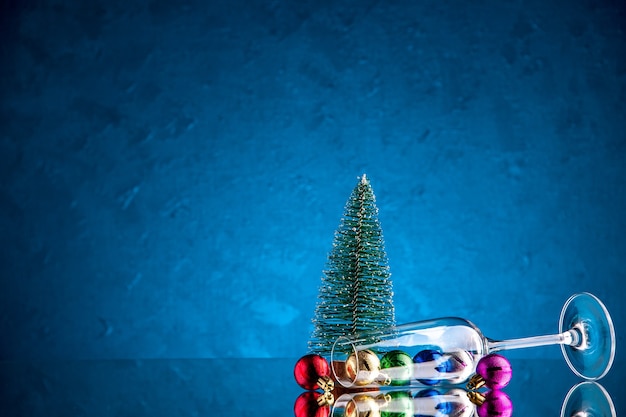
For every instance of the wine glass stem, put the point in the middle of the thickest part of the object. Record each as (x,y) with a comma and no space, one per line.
(570,337)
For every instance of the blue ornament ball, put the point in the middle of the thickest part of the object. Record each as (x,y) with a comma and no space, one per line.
(431,355)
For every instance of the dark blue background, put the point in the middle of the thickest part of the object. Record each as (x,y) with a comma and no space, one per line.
(172,172)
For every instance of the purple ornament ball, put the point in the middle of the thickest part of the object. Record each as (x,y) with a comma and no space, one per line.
(496,403)
(496,371)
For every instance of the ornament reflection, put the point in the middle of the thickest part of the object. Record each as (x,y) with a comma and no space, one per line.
(428,402)
(588,399)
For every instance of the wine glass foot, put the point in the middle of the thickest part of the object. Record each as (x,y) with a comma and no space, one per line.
(592,354)
(588,399)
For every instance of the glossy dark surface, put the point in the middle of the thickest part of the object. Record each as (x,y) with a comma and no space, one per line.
(211,387)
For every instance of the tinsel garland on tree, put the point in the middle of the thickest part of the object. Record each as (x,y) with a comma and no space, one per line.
(356,294)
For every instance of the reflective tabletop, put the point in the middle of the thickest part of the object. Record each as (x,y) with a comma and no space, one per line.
(242,387)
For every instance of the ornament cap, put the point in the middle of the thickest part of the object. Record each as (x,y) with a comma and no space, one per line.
(325,383)
(327,398)
(476,397)
(476,382)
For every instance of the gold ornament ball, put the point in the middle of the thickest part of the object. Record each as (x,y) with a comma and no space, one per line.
(362,406)
(363,367)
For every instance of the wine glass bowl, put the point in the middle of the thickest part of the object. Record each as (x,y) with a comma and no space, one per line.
(423,353)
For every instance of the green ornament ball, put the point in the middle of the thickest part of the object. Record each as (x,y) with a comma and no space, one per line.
(398,367)
(400,402)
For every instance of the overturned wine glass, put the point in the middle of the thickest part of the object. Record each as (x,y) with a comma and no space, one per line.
(447,350)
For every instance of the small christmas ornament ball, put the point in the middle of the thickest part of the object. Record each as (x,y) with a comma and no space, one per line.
(432,355)
(496,371)
(362,405)
(461,364)
(496,404)
(427,392)
(461,406)
(363,367)
(307,405)
(309,369)
(400,402)
(398,366)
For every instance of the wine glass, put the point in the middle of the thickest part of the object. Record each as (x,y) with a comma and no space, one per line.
(588,399)
(447,350)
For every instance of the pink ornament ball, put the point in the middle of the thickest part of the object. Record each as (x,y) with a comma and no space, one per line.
(496,371)
(496,404)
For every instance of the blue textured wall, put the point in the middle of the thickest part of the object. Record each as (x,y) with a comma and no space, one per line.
(172,173)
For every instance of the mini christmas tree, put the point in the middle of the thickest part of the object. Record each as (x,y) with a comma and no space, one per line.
(356,293)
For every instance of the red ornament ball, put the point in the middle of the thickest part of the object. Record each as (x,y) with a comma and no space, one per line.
(306,406)
(309,369)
